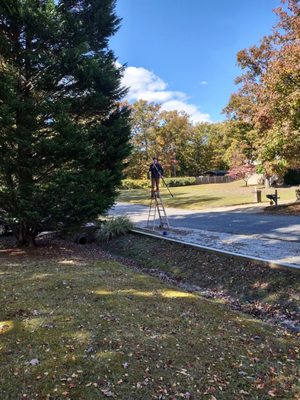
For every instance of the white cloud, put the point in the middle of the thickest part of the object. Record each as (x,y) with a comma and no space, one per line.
(191,109)
(145,85)
(142,80)
(203,83)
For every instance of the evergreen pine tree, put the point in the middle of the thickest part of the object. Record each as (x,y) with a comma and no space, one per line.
(63,131)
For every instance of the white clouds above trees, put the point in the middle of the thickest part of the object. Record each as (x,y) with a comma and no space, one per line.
(145,85)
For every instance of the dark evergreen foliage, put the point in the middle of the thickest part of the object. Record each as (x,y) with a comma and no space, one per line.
(292,177)
(63,131)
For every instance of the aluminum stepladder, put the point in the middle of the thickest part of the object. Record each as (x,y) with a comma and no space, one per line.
(157,209)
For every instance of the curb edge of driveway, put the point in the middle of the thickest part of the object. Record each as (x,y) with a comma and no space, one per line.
(269,263)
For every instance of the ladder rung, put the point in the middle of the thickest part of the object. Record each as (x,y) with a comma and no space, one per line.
(157,209)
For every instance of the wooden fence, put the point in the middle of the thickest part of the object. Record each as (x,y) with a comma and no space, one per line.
(213,179)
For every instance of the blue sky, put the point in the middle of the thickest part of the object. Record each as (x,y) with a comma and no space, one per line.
(182,53)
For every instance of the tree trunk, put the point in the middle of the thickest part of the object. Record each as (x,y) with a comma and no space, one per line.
(25,235)
(267,183)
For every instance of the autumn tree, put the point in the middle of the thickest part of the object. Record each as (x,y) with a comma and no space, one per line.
(184,149)
(241,167)
(269,95)
(158,133)
(145,121)
(201,151)
(238,137)
(173,138)
(63,134)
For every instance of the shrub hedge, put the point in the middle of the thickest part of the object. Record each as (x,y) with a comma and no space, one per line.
(128,184)
(181,181)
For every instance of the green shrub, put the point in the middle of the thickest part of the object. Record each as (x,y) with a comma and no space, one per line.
(181,181)
(128,184)
(113,227)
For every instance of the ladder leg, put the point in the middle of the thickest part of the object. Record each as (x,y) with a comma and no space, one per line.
(157,209)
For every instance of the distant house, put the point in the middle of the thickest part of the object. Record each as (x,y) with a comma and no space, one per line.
(256,179)
(215,172)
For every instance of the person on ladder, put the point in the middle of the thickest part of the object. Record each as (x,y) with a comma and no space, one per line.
(156,172)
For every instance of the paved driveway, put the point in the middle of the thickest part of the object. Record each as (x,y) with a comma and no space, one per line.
(243,231)
(234,220)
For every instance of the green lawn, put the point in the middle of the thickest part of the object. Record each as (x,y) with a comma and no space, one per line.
(260,290)
(75,329)
(204,196)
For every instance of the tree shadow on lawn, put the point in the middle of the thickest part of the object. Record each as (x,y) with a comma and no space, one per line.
(168,201)
(183,198)
(178,201)
(134,195)
(110,330)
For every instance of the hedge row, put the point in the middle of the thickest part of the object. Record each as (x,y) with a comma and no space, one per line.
(128,184)
(182,181)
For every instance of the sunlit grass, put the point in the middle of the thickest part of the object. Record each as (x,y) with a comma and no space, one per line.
(204,196)
(228,275)
(6,326)
(163,293)
(173,294)
(99,330)
(124,292)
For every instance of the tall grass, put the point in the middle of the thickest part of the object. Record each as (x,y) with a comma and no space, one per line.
(113,227)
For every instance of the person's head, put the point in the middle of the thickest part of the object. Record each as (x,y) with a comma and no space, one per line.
(155,160)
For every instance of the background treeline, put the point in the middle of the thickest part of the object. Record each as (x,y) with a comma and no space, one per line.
(184,149)
(262,132)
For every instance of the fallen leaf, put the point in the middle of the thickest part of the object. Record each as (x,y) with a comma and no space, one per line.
(34,361)
(108,393)
(272,393)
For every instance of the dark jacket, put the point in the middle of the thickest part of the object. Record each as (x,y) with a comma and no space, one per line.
(156,170)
